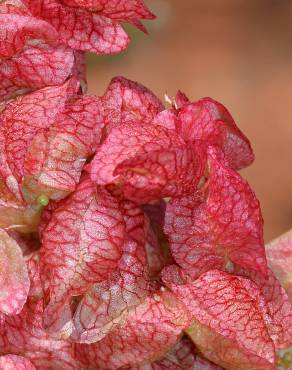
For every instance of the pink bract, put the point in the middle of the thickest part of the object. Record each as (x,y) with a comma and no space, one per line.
(127,101)
(136,157)
(12,362)
(92,26)
(209,121)
(219,226)
(229,320)
(24,333)
(70,264)
(148,332)
(30,54)
(279,255)
(182,356)
(108,303)
(14,281)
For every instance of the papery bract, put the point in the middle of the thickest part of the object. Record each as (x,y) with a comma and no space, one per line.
(148,162)
(219,226)
(279,256)
(25,334)
(12,210)
(182,356)
(229,320)
(36,291)
(106,304)
(279,309)
(14,279)
(22,119)
(181,99)
(18,27)
(56,156)
(13,362)
(127,101)
(34,68)
(210,122)
(89,236)
(81,27)
(46,138)
(148,332)
(30,56)
(81,245)
(120,10)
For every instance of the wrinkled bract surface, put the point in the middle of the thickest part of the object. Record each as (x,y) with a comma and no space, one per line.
(229,320)
(221,226)
(279,255)
(108,303)
(148,332)
(91,26)
(81,245)
(12,362)
(14,279)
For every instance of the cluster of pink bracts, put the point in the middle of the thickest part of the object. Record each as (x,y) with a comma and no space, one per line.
(128,239)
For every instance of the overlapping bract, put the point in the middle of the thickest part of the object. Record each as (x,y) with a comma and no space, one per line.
(14,279)
(220,226)
(149,234)
(31,56)
(183,355)
(42,42)
(81,245)
(279,255)
(148,331)
(45,139)
(25,334)
(107,303)
(237,323)
(91,26)
(12,362)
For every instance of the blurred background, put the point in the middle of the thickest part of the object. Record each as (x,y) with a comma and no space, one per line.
(236,51)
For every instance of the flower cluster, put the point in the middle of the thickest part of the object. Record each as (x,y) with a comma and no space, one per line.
(128,239)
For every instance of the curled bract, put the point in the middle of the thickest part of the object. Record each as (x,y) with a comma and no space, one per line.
(91,26)
(279,256)
(124,225)
(30,54)
(146,162)
(229,320)
(148,331)
(81,245)
(45,138)
(25,334)
(127,101)
(12,362)
(14,279)
(106,304)
(183,355)
(210,122)
(219,226)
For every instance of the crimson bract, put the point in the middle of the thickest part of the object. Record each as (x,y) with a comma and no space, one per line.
(128,239)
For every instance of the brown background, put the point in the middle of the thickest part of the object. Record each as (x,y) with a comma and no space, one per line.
(238,52)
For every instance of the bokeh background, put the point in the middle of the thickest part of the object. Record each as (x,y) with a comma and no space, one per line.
(236,51)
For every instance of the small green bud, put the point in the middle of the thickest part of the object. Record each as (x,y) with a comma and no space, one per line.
(43,200)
